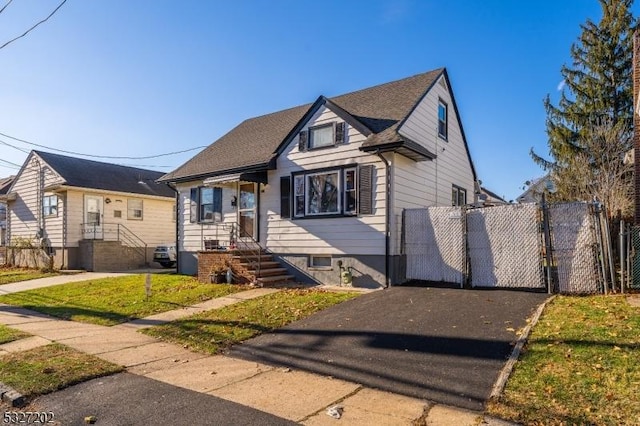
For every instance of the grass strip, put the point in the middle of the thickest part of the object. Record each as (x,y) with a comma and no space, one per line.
(213,331)
(580,366)
(49,368)
(10,334)
(110,301)
(11,274)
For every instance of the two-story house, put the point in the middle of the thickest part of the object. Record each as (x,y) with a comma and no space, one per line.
(322,186)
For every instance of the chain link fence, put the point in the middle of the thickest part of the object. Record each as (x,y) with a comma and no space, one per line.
(504,247)
(434,244)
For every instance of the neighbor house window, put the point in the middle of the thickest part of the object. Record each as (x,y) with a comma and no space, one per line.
(323,262)
(50,205)
(343,191)
(321,136)
(458,196)
(134,209)
(442,119)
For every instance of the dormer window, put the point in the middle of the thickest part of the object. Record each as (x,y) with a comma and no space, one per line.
(322,136)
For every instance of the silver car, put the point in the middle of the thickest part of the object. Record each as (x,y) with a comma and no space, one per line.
(165,255)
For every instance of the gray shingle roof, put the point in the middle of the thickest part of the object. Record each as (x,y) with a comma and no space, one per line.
(255,141)
(5,184)
(83,173)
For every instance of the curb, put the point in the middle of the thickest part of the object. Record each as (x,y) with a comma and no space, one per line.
(501,381)
(11,396)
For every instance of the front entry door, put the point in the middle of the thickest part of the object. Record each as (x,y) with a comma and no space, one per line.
(247,210)
(93,214)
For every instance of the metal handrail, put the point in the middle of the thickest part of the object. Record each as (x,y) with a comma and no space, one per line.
(114,232)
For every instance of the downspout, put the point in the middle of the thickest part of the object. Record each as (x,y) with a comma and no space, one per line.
(387,221)
(170,185)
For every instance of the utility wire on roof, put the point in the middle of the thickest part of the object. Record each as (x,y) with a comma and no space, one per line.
(5,6)
(34,26)
(97,156)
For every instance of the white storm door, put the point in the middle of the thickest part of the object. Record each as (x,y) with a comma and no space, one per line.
(93,214)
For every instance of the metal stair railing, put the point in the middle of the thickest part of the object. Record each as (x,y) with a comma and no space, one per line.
(245,246)
(115,232)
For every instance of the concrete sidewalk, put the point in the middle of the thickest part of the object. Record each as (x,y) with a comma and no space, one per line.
(290,394)
(56,280)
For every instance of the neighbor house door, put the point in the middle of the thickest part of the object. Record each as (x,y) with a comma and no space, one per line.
(247,202)
(93,214)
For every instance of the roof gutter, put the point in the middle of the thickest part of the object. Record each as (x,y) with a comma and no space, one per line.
(387,223)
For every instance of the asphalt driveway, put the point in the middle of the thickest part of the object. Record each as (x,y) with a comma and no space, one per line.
(440,344)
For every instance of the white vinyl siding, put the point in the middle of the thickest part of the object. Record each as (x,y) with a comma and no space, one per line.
(192,234)
(25,214)
(357,235)
(429,183)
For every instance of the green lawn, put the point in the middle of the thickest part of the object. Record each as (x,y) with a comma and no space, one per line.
(51,367)
(111,301)
(216,330)
(581,366)
(11,275)
(10,334)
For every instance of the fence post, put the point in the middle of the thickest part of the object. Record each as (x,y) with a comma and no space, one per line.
(609,248)
(601,253)
(621,241)
(547,244)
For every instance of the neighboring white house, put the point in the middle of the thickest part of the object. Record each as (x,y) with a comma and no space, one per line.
(323,186)
(59,203)
(536,188)
(5,183)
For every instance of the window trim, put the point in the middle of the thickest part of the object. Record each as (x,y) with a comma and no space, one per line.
(130,209)
(50,206)
(303,174)
(443,135)
(332,125)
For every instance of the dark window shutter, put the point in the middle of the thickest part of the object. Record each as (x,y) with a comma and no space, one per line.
(193,205)
(340,133)
(217,204)
(303,138)
(365,189)
(285,197)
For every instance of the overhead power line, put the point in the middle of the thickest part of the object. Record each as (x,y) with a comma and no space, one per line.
(146,157)
(5,6)
(34,26)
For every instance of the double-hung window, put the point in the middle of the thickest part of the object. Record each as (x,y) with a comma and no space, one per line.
(331,192)
(50,205)
(134,209)
(205,204)
(442,119)
(458,196)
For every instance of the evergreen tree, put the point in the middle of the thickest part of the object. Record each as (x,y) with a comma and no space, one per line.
(598,91)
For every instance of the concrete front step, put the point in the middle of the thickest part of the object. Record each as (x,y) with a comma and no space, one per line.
(275,279)
(253,257)
(268,272)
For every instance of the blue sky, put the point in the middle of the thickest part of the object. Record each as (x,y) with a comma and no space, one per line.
(144,77)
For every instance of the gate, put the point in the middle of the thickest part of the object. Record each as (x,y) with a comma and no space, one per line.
(504,246)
